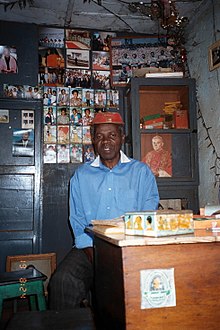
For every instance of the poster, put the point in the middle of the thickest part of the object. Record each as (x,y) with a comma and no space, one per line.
(23,142)
(157,288)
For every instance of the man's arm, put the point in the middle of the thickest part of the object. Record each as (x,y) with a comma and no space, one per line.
(77,216)
(148,190)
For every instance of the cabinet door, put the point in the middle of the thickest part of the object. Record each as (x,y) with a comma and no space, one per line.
(20,206)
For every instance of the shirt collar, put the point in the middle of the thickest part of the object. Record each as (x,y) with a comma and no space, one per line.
(123,159)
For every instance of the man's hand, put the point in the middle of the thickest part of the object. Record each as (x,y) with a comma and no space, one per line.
(89,252)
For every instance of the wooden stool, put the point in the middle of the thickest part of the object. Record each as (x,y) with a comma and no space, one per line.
(27,282)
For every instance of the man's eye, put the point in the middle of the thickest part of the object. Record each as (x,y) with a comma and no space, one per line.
(98,136)
(113,135)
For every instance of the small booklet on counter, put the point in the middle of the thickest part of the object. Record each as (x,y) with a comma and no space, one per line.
(111,226)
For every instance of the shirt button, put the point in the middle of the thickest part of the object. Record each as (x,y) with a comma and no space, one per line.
(109,189)
(108,207)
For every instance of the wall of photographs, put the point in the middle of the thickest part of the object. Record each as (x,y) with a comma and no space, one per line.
(74,71)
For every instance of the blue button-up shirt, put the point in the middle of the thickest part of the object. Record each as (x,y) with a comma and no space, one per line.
(100,193)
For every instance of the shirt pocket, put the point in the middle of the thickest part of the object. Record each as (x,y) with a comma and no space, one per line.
(126,200)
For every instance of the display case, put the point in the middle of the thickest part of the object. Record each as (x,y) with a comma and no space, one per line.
(163,130)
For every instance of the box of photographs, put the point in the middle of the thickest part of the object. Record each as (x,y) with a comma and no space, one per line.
(68,114)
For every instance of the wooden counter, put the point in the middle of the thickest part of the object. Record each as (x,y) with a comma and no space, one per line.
(118,262)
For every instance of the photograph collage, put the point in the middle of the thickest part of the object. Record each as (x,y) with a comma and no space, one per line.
(74,71)
(68,113)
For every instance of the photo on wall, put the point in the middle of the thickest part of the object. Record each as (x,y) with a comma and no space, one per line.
(4,116)
(23,142)
(77,58)
(50,153)
(63,155)
(51,57)
(77,78)
(51,37)
(27,118)
(128,54)
(8,60)
(156,152)
(51,76)
(101,40)
(101,79)
(77,39)
(100,60)
(76,153)
(50,134)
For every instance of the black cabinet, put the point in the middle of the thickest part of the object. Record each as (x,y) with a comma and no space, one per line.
(20,183)
(163,134)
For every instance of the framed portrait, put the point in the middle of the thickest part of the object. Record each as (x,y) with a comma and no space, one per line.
(156,152)
(4,116)
(214,56)
(8,59)
(51,37)
(23,142)
(128,54)
(77,39)
(45,263)
(77,58)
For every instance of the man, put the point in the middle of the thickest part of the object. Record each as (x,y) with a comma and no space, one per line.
(102,189)
(158,159)
(8,63)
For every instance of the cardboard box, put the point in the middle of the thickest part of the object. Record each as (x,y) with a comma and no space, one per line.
(181,119)
(159,223)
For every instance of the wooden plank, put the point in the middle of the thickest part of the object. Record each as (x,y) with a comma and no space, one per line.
(197,273)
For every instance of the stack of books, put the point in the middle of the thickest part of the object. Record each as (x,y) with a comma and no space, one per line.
(154,121)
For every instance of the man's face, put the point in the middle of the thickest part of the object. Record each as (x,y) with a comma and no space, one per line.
(156,283)
(108,141)
(157,144)
(25,136)
(6,52)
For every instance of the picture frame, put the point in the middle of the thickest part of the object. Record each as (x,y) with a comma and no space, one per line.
(130,53)
(156,152)
(4,116)
(9,66)
(45,263)
(214,56)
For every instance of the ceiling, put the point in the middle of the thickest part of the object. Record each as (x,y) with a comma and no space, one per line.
(112,15)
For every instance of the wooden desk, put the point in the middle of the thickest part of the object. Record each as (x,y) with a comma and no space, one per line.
(196,263)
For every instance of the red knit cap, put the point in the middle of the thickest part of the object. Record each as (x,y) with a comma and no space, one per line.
(107,118)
